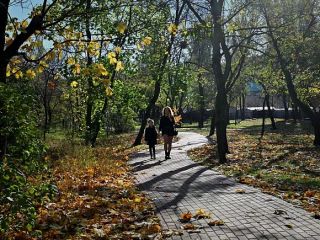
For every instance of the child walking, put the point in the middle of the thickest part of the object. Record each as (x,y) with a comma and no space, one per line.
(150,136)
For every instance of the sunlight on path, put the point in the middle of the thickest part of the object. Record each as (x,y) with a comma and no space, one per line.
(180,185)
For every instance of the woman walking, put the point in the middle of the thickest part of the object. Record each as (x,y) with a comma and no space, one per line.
(167,126)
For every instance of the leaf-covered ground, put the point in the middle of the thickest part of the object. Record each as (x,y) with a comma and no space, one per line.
(97,198)
(284,163)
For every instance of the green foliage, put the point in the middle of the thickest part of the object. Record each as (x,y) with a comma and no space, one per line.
(21,159)
(125,106)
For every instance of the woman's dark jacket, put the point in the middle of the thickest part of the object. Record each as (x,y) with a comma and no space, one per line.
(167,126)
(150,136)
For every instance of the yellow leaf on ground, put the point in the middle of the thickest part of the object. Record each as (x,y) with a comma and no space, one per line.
(216,223)
(240,190)
(201,213)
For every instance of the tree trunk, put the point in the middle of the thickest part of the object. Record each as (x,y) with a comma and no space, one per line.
(243,108)
(201,104)
(213,123)
(290,86)
(270,112)
(263,118)
(151,104)
(159,78)
(285,105)
(316,126)
(89,108)
(221,108)
(236,115)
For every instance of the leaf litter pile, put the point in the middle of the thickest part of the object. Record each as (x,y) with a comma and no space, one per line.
(284,163)
(96,199)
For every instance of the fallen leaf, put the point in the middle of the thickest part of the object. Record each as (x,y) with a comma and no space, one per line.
(288,225)
(216,223)
(279,212)
(240,190)
(185,217)
(189,226)
(201,213)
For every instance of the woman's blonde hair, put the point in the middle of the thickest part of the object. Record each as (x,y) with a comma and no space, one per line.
(169,109)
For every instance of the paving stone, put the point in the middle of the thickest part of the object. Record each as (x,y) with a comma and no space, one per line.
(178,185)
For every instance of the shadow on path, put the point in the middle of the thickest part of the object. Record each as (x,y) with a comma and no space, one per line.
(183,190)
(148,184)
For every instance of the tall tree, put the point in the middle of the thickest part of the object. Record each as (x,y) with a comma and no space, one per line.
(282,36)
(228,57)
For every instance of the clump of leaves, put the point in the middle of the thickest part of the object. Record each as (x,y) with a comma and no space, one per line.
(97,199)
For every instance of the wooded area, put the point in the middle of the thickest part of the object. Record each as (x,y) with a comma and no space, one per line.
(87,74)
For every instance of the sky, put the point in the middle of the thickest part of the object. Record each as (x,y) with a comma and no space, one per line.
(22,11)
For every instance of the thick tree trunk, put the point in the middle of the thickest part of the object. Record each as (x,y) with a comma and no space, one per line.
(221,108)
(213,123)
(316,126)
(270,112)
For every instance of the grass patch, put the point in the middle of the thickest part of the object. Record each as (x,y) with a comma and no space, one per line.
(283,162)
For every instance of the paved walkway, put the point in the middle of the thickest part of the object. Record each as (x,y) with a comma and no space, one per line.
(180,185)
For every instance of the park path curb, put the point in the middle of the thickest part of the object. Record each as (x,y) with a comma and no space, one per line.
(180,185)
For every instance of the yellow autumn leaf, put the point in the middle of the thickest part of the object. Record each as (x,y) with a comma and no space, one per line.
(111,55)
(240,190)
(8,73)
(119,66)
(76,69)
(60,55)
(216,223)
(201,213)
(40,69)
(112,58)
(173,28)
(51,56)
(24,24)
(38,43)
(43,64)
(18,74)
(121,28)
(101,70)
(71,61)
(109,93)
(147,41)
(30,74)
(93,48)
(117,50)
(137,200)
(74,84)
